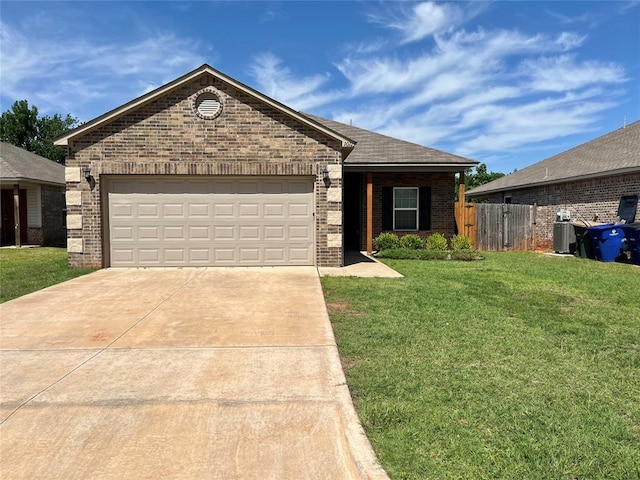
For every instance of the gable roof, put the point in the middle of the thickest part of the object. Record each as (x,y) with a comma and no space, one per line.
(615,153)
(63,140)
(376,150)
(18,164)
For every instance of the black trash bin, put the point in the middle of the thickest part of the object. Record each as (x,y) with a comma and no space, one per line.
(632,232)
(584,247)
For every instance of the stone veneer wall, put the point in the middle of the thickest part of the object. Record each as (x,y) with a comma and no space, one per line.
(594,199)
(166,137)
(442,201)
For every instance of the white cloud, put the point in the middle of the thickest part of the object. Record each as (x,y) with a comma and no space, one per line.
(278,82)
(67,74)
(561,73)
(424,19)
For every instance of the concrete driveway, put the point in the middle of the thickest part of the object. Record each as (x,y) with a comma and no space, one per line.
(226,373)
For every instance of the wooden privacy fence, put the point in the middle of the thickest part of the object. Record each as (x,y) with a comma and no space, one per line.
(497,226)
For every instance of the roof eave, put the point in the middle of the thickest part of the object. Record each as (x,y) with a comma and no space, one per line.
(31,180)
(63,140)
(408,167)
(620,171)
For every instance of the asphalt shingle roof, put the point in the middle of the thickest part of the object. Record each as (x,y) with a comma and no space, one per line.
(614,153)
(18,164)
(375,148)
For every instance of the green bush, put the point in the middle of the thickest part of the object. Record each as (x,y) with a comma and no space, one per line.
(406,254)
(437,241)
(386,241)
(412,242)
(460,242)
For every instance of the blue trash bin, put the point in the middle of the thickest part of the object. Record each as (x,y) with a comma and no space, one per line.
(607,241)
(632,234)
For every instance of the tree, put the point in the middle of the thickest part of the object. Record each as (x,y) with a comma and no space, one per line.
(473,180)
(22,127)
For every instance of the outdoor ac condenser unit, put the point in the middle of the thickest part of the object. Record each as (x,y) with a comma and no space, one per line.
(564,237)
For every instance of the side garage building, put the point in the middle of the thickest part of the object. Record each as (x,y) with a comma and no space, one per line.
(204,171)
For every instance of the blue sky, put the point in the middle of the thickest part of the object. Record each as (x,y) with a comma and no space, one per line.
(505,83)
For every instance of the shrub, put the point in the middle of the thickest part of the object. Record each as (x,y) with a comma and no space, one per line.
(386,241)
(406,254)
(412,242)
(460,242)
(436,241)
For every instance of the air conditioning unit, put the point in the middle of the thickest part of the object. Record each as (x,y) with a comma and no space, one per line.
(564,237)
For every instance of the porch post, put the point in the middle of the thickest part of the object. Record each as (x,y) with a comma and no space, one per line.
(369,212)
(16,213)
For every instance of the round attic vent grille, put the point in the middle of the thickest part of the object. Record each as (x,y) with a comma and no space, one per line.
(208,105)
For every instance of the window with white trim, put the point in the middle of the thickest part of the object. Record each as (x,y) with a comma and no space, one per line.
(405,208)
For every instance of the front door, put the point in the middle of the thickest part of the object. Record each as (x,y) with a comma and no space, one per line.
(8,233)
(352,211)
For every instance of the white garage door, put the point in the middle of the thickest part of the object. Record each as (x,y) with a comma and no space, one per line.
(206,221)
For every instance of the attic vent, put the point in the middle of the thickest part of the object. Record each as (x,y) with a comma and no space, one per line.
(208,105)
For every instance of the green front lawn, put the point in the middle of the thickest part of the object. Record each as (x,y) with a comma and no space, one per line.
(25,270)
(519,366)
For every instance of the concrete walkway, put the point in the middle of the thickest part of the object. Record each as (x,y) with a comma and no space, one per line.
(180,373)
(359,264)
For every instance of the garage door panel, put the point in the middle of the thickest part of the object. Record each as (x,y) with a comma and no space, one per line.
(274,232)
(223,232)
(192,221)
(303,254)
(274,210)
(149,233)
(200,232)
(223,210)
(173,232)
(249,210)
(302,210)
(122,210)
(149,256)
(299,233)
(122,233)
(173,210)
(200,255)
(148,210)
(122,256)
(199,210)
(249,232)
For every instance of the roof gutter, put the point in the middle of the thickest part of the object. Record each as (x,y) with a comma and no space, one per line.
(620,171)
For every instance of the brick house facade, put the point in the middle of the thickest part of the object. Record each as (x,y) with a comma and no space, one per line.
(587,180)
(576,197)
(169,138)
(37,184)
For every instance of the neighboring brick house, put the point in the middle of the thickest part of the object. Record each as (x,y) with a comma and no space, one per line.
(32,202)
(587,180)
(207,171)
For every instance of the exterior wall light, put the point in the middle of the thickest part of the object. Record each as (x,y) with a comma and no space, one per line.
(325,176)
(86,171)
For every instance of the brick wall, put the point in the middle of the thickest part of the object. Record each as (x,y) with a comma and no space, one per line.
(54,232)
(166,137)
(442,201)
(34,236)
(593,199)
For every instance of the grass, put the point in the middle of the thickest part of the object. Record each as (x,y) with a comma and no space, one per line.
(25,270)
(520,366)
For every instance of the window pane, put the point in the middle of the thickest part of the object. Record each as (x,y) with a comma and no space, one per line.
(406,198)
(406,220)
